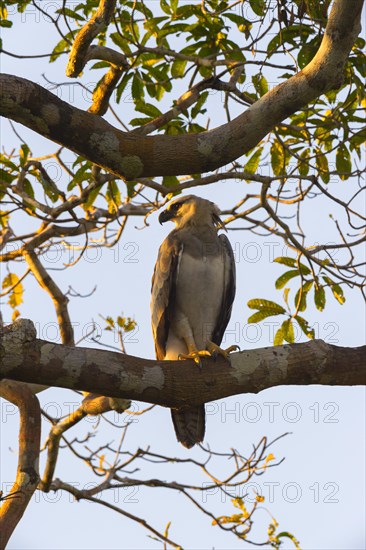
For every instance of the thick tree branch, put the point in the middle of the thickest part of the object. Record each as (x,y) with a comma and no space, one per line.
(131,156)
(85,36)
(25,358)
(104,90)
(104,53)
(27,476)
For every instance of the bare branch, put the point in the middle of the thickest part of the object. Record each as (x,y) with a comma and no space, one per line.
(59,299)
(27,476)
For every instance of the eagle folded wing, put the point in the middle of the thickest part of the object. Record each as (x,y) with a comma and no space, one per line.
(163,291)
(229,289)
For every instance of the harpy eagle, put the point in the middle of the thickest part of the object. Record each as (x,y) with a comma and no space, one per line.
(193,289)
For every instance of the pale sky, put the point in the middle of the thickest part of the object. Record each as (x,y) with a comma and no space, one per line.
(317,493)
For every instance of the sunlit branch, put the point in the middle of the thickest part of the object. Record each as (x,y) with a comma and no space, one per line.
(12,509)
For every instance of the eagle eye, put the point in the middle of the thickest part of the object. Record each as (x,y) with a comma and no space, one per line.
(175,207)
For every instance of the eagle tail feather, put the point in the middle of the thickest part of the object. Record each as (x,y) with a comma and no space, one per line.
(189,425)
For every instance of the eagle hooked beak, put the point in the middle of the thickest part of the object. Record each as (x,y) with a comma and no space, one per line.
(165,216)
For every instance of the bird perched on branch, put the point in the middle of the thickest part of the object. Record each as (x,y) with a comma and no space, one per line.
(193,289)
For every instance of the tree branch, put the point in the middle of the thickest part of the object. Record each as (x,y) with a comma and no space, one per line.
(86,35)
(25,358)
(27,476)
(59,299)
(104,90)
(131,156)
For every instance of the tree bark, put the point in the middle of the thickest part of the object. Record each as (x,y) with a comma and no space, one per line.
(130,156)
(27,476)
(27,359)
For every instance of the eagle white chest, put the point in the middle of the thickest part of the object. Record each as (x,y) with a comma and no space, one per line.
(200,286)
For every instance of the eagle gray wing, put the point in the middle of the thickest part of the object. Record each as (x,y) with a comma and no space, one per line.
(163,290)
(228,294)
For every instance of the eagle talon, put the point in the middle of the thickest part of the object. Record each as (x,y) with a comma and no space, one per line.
(232,348)
(215,350)
(195,355)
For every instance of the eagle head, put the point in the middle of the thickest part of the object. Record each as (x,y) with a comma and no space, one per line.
(192,210)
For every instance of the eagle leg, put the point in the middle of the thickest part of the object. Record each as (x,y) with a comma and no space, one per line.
(195,355)
(215,350)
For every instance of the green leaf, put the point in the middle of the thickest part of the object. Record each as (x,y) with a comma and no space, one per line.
(4,218)
(82,174)
(16,295)
(22,4)
(288,331)
(61,47)
(165,6)
(304,325)
(336,289)
(140,121)
(137,87)
(319,297)
(258,6)
(23,154)
(260,84)
(285,277)
(28,188)
(178,68)
(100,65)
(243,25)
(278,339)
(6,178)
(147,109)
(292,262)
(197,108)
(130,185)
(122,85)
(285,295)
(170,181)
(8,163)
(3,11)
(343,162)
(338,293)
(160,91)
(301,295)
(120,42)
(91,198)
(49,187)
(113,196)
(304,163)
(357,139)
(307,52)
(260,315)
(70,13)
(278,158)
(252,165)
(260,303)
(321,162)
